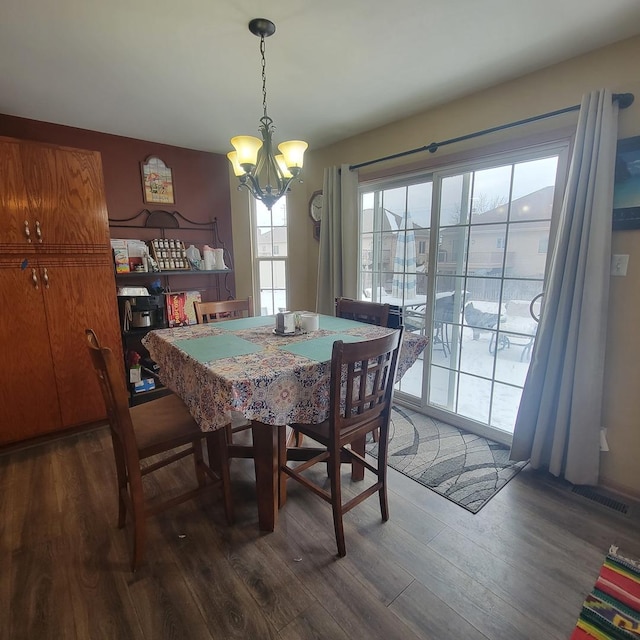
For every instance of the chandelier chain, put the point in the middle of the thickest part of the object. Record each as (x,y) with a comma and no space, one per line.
(264,76)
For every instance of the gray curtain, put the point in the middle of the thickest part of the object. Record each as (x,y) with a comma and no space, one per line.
(338,259)
(559,420)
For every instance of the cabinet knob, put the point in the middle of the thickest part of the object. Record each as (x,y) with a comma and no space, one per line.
(45,277)
(27,232)
(34,277)
(38,232)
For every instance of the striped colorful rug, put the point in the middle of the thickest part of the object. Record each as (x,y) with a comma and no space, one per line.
(612,609)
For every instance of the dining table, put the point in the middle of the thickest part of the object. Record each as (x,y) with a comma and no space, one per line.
(243,365)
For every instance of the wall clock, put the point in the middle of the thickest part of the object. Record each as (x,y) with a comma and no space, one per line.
(315,206)
(315,212)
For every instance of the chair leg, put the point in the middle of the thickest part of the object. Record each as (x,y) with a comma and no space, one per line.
(139,522)
(282,462)
(122,505)
(357,469)
(123,483)
(336,503)
(219,461)
(198,461)
(295,438)
(382,493)
(383,453)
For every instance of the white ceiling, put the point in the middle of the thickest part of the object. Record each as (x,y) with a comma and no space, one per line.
(187,72)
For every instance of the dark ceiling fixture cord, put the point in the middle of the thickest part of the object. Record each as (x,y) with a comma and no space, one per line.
(624,100)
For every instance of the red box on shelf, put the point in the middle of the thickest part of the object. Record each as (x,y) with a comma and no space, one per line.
(180,309)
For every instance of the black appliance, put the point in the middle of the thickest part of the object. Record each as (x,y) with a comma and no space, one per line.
(142,312)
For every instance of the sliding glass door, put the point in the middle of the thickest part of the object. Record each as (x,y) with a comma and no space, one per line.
(463,254)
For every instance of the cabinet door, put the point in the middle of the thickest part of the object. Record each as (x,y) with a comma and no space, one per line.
(13,202)
(66,198)
(80,295)
(28,394)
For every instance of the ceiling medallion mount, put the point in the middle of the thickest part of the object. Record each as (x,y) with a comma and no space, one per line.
(254,161)
(262,27)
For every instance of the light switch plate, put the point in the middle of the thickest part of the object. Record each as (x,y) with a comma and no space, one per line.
(619,264)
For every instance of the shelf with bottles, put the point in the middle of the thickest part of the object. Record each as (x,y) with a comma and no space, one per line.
(173,223)
(181,272)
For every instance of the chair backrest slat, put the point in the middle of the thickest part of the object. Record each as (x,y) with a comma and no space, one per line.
(223,310)
(116,400)
(362,379)
(363,311)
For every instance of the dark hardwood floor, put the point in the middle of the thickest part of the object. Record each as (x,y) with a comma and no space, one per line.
(519,569)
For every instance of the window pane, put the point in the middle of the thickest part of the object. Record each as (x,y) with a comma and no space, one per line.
(422,260)
(264,244)
(524,258)
(530,177)
(279,213)
(491,189)
(520,293)
(279,274)
(263,215)
(506,401)
(419,204)
(474,398)
(452,248)
(443,387)
(486,250)
(279,241)
(366,213)
(266,278)
(483,289)
(455,200)
(395,200)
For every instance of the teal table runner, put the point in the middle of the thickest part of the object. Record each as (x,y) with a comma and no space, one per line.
(338,324)
(246,323)
(318,348)
(211,348)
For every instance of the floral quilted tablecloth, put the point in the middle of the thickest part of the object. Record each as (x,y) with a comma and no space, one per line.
(242,365)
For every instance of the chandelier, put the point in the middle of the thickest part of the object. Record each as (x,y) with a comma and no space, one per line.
(266,175)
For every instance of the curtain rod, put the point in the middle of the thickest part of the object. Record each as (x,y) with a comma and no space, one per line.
(624,100)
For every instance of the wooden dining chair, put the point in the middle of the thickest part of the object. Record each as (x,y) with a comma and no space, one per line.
(155,428)
(217,312)
(363,311)
(361,395)
(223,310)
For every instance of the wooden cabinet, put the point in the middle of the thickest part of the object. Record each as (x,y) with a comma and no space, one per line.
(28,392)
(52,199)
(13,201)
(56,280)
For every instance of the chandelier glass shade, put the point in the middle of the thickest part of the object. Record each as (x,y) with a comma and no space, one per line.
(265,173)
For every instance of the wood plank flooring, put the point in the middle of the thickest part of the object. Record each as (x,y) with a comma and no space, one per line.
(519,569)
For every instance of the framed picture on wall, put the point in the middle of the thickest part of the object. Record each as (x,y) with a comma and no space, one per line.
(157,182)
(626,188)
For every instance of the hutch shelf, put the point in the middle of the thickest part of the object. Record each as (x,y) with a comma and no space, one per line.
(214,284)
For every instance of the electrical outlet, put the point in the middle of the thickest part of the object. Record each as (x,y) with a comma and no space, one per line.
(619,264)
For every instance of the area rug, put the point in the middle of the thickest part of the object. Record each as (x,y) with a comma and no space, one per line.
(467,469)
(612,609)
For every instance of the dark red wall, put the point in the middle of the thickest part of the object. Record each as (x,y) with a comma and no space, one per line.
(201,180)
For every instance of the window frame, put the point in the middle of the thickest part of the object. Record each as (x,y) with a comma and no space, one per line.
(258,259)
